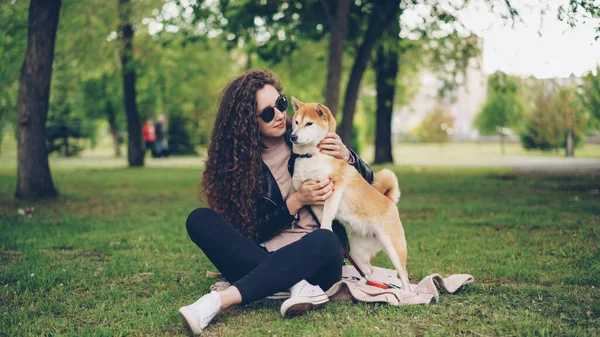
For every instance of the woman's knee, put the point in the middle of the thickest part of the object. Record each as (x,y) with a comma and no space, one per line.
(329,243)
(325,236)
(200,220)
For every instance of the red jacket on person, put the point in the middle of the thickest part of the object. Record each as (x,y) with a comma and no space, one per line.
(148,132)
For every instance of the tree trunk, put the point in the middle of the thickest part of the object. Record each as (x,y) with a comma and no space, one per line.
(135,153)
(115,137)
(386,69)
(249,61)
(382,15)
(34,179)
(66,147)
(111,114)
(569,143)
(339,29)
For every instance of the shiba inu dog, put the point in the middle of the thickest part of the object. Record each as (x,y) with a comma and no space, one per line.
(368,211)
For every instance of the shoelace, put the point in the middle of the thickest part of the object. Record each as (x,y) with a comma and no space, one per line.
(296,290)
(209,301)
(207,319)
(309,289)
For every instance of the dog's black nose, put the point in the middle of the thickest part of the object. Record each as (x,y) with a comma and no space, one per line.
(294,138)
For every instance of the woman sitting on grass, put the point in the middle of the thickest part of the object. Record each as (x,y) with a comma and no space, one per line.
(258,232)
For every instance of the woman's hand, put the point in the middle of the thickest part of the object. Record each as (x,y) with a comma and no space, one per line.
(310,193)
(315,192)
(332,145)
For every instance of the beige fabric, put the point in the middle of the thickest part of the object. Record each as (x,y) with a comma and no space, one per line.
(276,158)
(352,287)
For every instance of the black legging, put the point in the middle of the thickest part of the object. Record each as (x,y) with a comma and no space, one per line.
(317,257)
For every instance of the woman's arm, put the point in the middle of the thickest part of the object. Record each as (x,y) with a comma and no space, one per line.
(272,218)
(277,214)
(310,193)
(293,204)
(332,145)
(361,166)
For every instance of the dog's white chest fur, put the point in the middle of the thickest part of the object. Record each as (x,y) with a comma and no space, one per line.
(317,167)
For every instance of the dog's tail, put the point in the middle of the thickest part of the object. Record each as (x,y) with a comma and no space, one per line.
(386,182)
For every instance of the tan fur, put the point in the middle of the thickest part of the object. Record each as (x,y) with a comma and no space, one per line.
(369,212)
(323,110)
(386,183)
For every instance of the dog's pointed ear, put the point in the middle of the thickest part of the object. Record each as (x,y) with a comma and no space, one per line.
(320,109)
(296,103)
(326,114)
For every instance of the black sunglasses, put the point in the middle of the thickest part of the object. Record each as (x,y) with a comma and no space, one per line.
(267,114)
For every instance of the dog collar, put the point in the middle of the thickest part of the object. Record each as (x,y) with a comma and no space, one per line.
(306,155)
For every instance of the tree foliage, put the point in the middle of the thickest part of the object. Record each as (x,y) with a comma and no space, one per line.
(180,134)
(436,126)
(67,120)
(590,96)
(556,110)
(504,105)
(13,41)
(181,66)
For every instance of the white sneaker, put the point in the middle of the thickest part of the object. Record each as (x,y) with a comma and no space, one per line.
(196,316)
(304,296)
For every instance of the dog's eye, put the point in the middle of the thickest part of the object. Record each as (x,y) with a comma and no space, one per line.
(309,124)
(296,122)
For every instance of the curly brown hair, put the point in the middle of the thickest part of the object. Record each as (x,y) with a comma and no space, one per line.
(232,177)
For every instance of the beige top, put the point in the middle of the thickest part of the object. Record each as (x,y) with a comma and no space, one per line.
(276,158)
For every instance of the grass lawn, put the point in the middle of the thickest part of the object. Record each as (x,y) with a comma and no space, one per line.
(111,257)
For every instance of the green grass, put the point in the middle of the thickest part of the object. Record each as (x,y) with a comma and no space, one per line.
(111,257)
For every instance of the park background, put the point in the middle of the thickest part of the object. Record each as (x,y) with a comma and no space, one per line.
(488,112)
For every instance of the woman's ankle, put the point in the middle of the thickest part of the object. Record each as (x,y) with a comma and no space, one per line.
(229,297)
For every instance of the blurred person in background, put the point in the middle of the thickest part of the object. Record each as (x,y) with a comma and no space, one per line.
(162,147)
(149,135)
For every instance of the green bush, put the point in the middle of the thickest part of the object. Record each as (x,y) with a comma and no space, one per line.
(556,110)
(436,127)
(180,135)
(66,125)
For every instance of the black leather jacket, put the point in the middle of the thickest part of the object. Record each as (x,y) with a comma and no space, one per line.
(272,214)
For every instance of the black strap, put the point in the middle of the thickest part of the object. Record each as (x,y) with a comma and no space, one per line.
(306,155)
(353,263)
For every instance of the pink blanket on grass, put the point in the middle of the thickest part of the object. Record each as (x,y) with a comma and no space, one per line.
(353,287)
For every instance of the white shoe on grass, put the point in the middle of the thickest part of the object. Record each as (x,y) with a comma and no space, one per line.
(304,297)
(197,315)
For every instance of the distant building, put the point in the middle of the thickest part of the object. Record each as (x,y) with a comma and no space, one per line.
(571,81)
(463,103)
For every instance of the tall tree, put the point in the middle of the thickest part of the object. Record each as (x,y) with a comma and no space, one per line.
(338,22)
(135,153)
(275,28)
(590,95)
(572,117)
(503,108)
(34,179)
(557,118)
(102,100)
(386,71)
(382,15)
